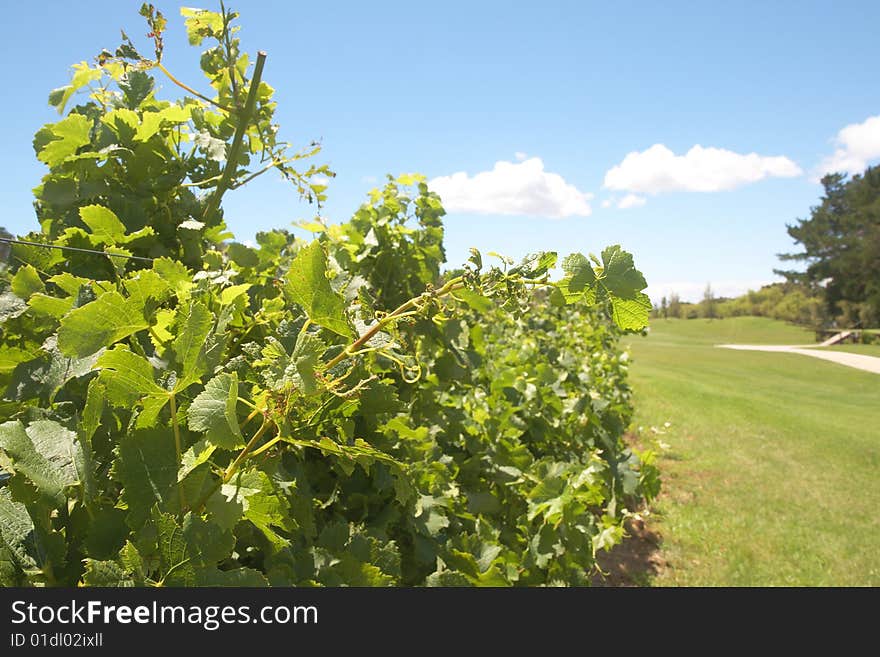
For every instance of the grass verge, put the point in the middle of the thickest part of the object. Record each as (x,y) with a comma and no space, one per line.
(770,476)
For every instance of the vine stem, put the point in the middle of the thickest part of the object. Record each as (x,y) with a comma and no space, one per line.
(250,417)
(176,566)
(268,445)
(186,87)
(399,312)
(177,443)
(273,164)
(229,55)
(244,118)
(233,467)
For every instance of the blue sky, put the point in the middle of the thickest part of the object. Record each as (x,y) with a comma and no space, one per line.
(592,106)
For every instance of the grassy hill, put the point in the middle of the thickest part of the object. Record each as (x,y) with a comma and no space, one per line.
(771,472)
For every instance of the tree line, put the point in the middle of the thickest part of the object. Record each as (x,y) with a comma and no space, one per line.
(840,285)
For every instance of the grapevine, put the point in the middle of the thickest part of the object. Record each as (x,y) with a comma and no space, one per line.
(331,411)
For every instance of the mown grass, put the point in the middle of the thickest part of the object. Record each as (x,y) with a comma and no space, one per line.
(770,477)
(865,349)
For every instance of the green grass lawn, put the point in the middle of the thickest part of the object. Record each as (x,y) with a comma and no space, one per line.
(771,473)
(735,330)
(866,349)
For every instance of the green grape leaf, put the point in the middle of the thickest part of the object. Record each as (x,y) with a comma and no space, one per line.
(473,568)
(153,122)
(308,286)
(562,293)
(41,258)
(305,357)
(225,507)
(207,542)
(230,294)
(56,142)
(103,223)
(52,306)
(201,23)
(195,456)
(11,306)
(128,378)
(535,265)
(146,466)
(174,273)
(91,415)
(27,282)
(106,533)
(18,535)
(47,454)
(145,286)
(122,121)
(620,276)
(175,562)
(10,573)
(623,284)
(631,313)
(236,577)
(548,499)
(100,323)
(189,346)
(579,272)
(264,506)
(82,75)
(69,283)
(448,578)
(351,571)
(133,563)
(107,574)
(136,86)
(44,375)
(380,397)
(475,300)
(243,256)
(213,411)
(11,357)
(615,279)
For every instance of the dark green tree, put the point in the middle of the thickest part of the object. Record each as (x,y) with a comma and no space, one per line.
(674,305)
(841,244)
(707,306)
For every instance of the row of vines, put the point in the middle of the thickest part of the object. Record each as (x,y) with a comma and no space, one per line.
(180,409)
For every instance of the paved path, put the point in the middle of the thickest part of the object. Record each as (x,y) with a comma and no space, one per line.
(859,361)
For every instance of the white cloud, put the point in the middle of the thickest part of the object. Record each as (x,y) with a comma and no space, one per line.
(857,144)
(520,156)
(320,180)
(631,201)
(607,203)
(523,188)
(658,169)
